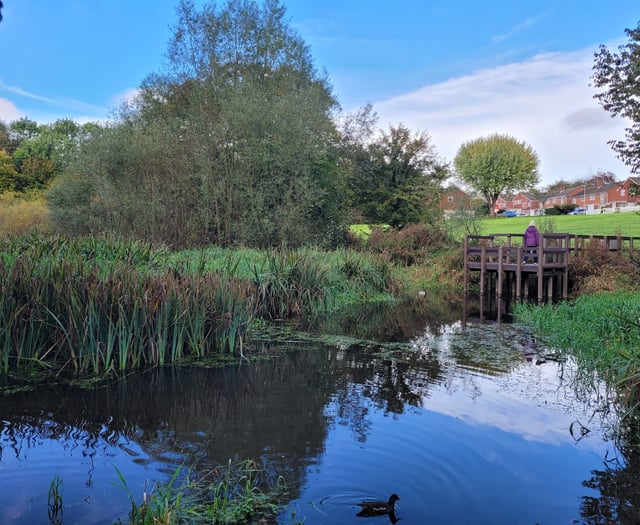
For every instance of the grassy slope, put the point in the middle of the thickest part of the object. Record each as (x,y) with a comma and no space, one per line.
(626,224)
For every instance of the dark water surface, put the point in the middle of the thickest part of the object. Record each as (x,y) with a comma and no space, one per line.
(468,423)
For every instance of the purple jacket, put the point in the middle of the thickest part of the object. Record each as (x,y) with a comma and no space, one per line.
(531,237)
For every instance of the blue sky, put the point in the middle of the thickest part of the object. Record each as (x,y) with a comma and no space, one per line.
(457,69)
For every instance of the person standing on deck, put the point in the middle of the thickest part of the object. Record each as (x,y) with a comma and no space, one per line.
(531,241)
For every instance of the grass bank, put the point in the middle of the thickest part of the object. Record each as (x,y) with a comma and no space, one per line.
(625,224)
(602,331)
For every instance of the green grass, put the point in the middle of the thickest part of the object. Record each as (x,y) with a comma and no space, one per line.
(601,331)
(625,224)
(231,494)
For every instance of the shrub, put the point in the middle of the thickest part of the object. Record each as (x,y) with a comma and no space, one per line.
(596,269)
(19,216)
(408,245)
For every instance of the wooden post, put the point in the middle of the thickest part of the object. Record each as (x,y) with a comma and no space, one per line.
(565,274)
(483,264)
(500,272)
(540,268)
(466,264)
(519,258)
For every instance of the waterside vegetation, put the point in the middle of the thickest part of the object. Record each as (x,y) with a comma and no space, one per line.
(602,332)
(88,307)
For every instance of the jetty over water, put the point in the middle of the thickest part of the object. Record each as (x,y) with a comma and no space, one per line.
(506,266)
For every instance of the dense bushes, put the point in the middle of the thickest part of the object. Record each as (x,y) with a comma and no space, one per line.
(408,245)
(596,269)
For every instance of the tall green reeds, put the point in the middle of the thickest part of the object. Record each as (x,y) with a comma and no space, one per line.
(601,330)
(92,306)
(78,307)
(289,283)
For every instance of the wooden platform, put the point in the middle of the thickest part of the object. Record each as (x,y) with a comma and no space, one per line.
(514,266)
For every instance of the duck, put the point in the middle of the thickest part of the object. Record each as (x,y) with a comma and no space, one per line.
(379,508)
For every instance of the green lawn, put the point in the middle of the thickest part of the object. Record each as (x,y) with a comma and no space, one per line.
(626,224)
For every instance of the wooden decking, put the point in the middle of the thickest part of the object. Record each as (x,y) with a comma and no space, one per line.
(499,258)
(511,265)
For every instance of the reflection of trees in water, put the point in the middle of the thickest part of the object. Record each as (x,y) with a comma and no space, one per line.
(277,410)
(377,382)
(273,410)
(618,484)
(270,410)
(386,322)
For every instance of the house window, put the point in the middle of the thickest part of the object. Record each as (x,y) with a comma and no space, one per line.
(450,198)
(622,192)
(592,197)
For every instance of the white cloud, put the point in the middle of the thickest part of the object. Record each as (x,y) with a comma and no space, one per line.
(125,97)
(518,28)
(8,111)
(72,108)
(545,101)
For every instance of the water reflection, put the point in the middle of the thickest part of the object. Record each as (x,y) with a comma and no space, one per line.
(466,417)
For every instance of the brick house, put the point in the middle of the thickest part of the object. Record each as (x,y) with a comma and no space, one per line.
(627,192)
(528,204)
(595,197)
(453,199)
(566,196)
(503,203)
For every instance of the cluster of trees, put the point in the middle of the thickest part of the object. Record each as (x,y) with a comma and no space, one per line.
(239,140)
(31,155)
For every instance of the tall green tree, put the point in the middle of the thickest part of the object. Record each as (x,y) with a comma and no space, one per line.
(393,179)
(232,142)
(617,75)
(496,164)
(8,175)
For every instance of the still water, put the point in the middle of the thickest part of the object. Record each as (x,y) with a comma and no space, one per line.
(469,423)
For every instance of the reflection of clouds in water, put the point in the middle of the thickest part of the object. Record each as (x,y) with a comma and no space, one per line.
(491,378)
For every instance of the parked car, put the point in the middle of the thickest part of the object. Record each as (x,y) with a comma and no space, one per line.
(510,214)
(578,211)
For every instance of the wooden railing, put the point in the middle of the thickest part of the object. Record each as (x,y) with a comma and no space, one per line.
(576,242)
(549,261)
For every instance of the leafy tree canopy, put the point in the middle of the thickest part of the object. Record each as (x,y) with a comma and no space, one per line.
(232,141)
(496,164)
(8,174)
(617,75)
(394,178)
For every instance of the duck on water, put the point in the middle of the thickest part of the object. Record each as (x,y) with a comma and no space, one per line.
(379,508)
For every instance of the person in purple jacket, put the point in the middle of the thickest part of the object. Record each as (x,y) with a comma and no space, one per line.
(531,241)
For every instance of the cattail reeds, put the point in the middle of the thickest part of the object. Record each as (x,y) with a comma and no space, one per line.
(82,308)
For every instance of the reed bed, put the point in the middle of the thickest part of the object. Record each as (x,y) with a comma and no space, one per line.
(602,331)
(289,283)
(94,306)
(88,308)
(304,281)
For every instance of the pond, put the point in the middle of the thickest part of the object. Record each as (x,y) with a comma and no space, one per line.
(467,422)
